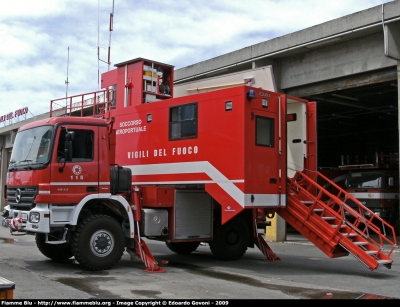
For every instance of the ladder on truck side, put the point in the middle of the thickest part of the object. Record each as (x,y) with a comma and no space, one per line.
(320,210)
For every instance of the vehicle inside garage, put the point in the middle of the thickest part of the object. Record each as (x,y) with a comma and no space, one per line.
(356,123)
(358,143)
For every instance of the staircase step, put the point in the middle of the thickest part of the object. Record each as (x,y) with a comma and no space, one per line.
(318,210)
(328,218)
(371,252)
(361,243)
(384,261)
(341,226)
(349,234)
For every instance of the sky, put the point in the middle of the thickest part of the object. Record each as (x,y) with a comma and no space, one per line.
(47,42)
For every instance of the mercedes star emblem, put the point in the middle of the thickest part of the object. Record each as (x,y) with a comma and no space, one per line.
(18,196)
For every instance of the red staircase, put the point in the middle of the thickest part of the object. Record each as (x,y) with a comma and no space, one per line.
(320,211)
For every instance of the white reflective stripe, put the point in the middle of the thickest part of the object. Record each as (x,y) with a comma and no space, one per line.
(79,183)
(73,183)
(44,192)
(264,200)
(188,168)
(375,195)
(180,182)
(204,167)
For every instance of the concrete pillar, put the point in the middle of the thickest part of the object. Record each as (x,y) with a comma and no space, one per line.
(277,231)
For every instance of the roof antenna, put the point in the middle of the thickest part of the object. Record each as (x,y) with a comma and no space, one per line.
(110,30)
(66,84)
(98,41)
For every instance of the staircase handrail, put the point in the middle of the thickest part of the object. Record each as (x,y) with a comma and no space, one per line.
(369,226)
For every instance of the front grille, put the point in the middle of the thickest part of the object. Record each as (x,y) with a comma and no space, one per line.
(21,198)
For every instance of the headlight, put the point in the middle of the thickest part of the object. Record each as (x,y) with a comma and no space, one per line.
(24,217)
(34,217)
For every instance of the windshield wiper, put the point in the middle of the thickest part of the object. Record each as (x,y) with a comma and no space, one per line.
(29,167)
(26,160)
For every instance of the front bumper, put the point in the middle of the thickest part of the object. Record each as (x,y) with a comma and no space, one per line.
(18,220)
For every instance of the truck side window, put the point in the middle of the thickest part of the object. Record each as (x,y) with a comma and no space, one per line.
(264,131)
(183,122)
(82,146)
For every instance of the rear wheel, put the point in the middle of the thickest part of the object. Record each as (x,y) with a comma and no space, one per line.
(56,252)
(230,240)
(183,248)
(98,243)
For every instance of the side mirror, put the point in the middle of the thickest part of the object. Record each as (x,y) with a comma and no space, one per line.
(68,153)
(69,137)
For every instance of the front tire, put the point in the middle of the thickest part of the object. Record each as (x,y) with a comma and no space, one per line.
(182,248)
(230,240)
(56,252)
(98,243)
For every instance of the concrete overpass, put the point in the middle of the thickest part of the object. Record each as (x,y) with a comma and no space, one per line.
(344,47)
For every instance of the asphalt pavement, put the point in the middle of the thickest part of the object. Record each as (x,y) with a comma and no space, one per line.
(303,272)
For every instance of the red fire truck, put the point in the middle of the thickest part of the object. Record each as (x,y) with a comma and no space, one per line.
(132,161)
(375,184)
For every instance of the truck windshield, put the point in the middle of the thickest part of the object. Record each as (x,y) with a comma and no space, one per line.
(365,180)
(32,146)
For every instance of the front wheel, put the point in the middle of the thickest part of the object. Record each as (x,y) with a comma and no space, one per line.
(56,252)
(98,243)
(230,240)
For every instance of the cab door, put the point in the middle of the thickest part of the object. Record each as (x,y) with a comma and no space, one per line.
(71,181)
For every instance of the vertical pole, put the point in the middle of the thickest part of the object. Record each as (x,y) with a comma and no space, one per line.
(109,38)
(66,85)
(3,169)
(98,44)
(397,225)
